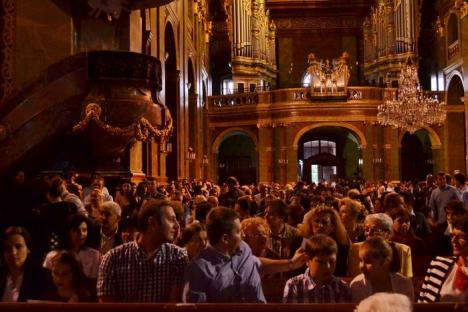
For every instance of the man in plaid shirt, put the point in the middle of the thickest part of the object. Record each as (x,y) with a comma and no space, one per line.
(318,284)
(149,269)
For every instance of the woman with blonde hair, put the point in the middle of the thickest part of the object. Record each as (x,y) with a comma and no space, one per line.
(256,233)
(350,211)
(325,220)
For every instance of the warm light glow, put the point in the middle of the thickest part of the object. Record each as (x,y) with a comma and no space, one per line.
(411,109)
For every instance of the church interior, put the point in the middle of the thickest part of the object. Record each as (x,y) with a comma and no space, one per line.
(208,89)
(272,92)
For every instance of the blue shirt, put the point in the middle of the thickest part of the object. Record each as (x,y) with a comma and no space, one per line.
(439,199)
(215,277)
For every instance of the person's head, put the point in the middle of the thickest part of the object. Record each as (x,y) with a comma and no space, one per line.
(158,220)
(231,182)
(256,232)
(459,236)
(460,179)
(201,211)
(321,251)
(19,177)
(151,184)
(354,194)
(454,209)
(97,182)
(194,238)
(126,187)
(378,224)
(129,228)
(276,214)
(244,207)
(320,220)
(224,229)
(392,201)
(385,302)
(429,179)
(441,181)
(56,188)
(16,242)
(110,215)
(349,210)
(295,214)
(76,228)
(401,222)
(142,189)
(67,273)
(96,197)
(375,257)
(448,179)
(213,200)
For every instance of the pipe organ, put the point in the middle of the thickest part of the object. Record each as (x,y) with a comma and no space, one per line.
(252,36)
(390,35)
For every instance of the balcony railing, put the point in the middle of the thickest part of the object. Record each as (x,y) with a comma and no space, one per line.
(453,49)
(355,94)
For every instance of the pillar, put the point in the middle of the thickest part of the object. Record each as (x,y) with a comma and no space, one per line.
(265,155)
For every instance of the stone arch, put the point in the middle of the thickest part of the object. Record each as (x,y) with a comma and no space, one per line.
(232,131)
(170,27)
(352,128)
(433,137)
(453,75)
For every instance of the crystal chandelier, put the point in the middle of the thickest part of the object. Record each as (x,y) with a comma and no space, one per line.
(411,109)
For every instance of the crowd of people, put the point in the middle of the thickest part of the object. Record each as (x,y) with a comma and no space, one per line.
(195,241)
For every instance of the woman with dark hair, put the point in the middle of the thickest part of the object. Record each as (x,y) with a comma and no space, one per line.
(447,277)
(21,278)
(125,198)
(74,239)
(193,239)
(70,283)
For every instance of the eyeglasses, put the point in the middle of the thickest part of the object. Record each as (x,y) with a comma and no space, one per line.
(459,237)
(373,230)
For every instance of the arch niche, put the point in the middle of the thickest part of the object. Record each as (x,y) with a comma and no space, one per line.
(171,81)
(329,151)
(236,151)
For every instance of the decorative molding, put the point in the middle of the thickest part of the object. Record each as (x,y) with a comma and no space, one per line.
(318,23)
(7,73)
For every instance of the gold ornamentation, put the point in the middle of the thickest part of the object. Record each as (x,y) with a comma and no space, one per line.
(3,132)
(8,39)
(142,129)
(412,110)
(328,78)
(462,6)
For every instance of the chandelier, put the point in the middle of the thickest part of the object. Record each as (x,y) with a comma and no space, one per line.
(411,109)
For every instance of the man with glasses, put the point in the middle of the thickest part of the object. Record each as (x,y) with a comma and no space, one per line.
(380,224)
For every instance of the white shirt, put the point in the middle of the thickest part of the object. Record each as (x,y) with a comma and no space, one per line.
(88,257)
(447,292)
(361,287)
(11,292)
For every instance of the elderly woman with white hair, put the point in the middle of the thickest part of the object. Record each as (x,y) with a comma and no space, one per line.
(380,224)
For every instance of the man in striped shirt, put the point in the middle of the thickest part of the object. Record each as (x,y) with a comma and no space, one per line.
(318,284)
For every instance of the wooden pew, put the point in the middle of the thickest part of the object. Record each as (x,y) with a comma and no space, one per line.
(150,307)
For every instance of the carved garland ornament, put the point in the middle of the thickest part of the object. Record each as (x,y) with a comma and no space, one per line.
(8,36)
(141,129)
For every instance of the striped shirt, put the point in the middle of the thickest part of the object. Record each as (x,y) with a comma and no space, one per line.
(303,289)
(435,277)
(127,275)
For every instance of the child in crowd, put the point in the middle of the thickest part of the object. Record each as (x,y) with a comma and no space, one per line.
(375,256)
(318,284)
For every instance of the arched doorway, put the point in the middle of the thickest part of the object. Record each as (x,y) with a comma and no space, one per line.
(328,153)
(192,105)
(416,156)
(455,126)
(172,100)
(237,157)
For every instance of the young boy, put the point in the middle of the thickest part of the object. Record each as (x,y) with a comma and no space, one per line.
(318,284)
